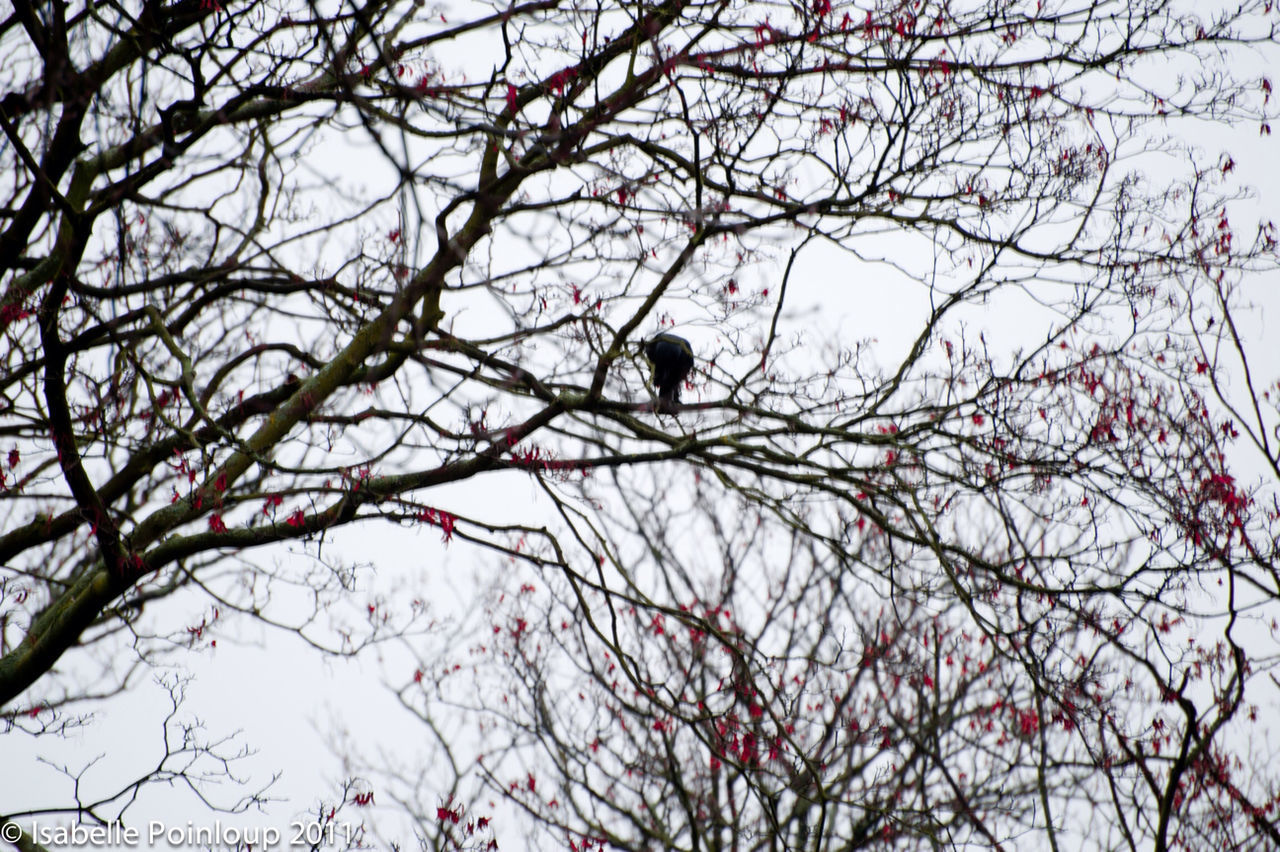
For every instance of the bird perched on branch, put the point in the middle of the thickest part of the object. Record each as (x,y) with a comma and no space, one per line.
(672,359)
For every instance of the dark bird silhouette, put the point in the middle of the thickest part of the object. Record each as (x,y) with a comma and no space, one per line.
(672,359)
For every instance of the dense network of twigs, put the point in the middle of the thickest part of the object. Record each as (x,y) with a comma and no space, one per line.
(272,273)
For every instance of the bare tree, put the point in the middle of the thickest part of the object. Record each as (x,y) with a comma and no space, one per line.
(275,270)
